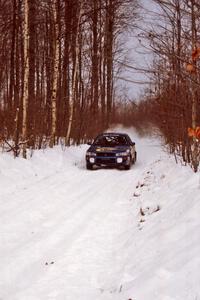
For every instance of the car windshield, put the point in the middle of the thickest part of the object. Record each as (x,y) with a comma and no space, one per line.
(110,141)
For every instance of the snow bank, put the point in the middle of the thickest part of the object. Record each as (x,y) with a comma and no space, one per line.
(164,254)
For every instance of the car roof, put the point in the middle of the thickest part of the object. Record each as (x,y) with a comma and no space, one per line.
(114,133)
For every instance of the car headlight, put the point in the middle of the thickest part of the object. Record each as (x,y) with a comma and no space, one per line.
(122,154)
(92,160)
(91,153)
(119,160)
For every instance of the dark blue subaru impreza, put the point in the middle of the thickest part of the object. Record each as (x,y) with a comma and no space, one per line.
(111,149)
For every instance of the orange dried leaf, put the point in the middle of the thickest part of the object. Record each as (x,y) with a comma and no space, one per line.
(194,132)
(198,132)
(190,68)
(191,132)
(195,53)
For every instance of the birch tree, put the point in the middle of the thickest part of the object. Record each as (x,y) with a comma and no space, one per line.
(55,73)
(26,76)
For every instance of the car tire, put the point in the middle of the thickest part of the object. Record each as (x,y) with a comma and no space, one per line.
(135,158)
(127,167)
(89,166)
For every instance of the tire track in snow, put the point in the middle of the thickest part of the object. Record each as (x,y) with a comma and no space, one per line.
(46,237)
(78,219)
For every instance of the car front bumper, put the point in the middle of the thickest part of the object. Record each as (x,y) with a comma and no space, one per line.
(108,161)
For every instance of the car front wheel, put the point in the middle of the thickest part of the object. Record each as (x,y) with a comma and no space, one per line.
(127,167)
(89,166)
(134,158)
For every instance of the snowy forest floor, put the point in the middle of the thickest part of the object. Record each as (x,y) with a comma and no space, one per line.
(67,233)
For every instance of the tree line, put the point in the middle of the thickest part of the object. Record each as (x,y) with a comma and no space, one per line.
(57,75)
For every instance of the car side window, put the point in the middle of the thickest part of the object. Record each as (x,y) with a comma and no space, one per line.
(129,140)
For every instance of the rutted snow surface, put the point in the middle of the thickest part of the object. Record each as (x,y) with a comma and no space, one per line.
(68,233)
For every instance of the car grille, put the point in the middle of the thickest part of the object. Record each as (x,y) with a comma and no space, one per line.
(105,161)
(105,154)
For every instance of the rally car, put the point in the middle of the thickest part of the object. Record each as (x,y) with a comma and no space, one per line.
(112,150)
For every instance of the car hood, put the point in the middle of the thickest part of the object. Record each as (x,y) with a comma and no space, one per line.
(100,149)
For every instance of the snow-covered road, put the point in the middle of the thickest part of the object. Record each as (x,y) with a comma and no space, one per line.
(67,233)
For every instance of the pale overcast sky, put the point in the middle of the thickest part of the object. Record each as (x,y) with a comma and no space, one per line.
(137,56)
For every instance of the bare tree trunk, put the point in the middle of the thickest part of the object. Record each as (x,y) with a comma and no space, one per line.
(109,58)
(16,135)
(26,77)
(195,161)
(12,57)
(66,63)
(74,78)
(55,74)
(95,63)
(32,69)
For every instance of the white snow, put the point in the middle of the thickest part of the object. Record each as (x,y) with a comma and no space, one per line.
(67,233)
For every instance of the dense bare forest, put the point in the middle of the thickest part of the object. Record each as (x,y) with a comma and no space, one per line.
(59,66)
(172,100)
(57,76)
